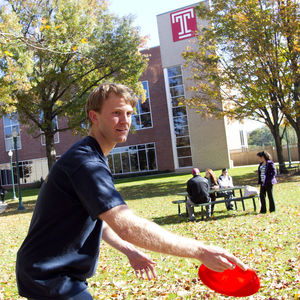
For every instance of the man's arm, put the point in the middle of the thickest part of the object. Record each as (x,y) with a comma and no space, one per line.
(139,261)
(148,235)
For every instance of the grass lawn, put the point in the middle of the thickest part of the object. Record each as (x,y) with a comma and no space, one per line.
(267,243)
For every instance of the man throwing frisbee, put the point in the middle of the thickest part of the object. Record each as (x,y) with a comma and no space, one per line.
(78,205)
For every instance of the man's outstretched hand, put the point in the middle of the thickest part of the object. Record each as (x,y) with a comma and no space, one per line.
(142,264)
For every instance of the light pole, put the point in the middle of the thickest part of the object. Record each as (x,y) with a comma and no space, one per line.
(15,135)
(10,154)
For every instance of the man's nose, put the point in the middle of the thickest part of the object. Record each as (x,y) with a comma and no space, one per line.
(125,118)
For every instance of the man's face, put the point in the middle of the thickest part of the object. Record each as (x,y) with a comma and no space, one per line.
(114,120)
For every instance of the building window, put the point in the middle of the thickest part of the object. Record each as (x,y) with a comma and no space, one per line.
(56,135)
(142,118)
(242,138)
(179,114)
(11,124)
(133,159)
(30,171)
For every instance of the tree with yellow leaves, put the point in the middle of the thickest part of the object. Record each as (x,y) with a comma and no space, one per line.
(246,63)
(54,52)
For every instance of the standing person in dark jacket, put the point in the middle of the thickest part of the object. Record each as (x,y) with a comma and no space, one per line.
(197,188)
(266,178)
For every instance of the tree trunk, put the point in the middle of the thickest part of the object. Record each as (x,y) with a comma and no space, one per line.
(278,144)
(50,150)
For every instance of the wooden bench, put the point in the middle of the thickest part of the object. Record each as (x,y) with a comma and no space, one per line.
(202,205)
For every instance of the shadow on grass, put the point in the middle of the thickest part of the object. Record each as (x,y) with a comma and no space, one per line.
(149,190)
(176,219)
(12,208)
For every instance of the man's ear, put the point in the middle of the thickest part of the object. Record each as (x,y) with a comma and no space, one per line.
(93,116)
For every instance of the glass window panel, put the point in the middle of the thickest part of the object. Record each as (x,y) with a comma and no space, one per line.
(132,148)
(6,121)
(175,81)
(181,131)
(25,171)
(180,121)
(183,141)
(184,151)
(117,163)
(138,108)
(133,158)
(54,123)
(179,111)
(143,160)
(110,163)
(125,162)
(146,120)
(133,122)
(174,71)
(14,119)
(185,162)
(30,176)
(8,132)
(177,101)
(152,159)
(150,145)
(177,91)
(139,122)
(146,88)
(56,138)
(145,107)
(134,161)
(9,144)
(15,128)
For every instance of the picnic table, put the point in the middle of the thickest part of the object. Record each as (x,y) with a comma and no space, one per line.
(218,192)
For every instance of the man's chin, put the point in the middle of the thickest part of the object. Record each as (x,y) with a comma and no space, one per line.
(122,139)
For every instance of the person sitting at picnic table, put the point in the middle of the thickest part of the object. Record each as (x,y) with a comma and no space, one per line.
(225,181)
(197,188)
(213,185)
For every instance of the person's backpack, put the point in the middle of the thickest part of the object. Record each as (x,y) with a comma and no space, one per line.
(250,191)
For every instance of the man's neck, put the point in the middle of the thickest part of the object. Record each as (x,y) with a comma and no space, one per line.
(105,147)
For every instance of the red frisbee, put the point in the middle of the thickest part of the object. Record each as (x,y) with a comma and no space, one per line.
(236,282)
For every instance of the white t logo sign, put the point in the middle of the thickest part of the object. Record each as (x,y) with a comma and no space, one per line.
(182,18)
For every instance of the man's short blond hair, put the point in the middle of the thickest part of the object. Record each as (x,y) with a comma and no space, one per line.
(103,91)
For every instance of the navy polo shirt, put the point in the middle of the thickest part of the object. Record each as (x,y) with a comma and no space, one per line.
(62,246)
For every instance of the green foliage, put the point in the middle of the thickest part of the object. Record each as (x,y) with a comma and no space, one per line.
(261,137)
(266,243)
(53,53)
